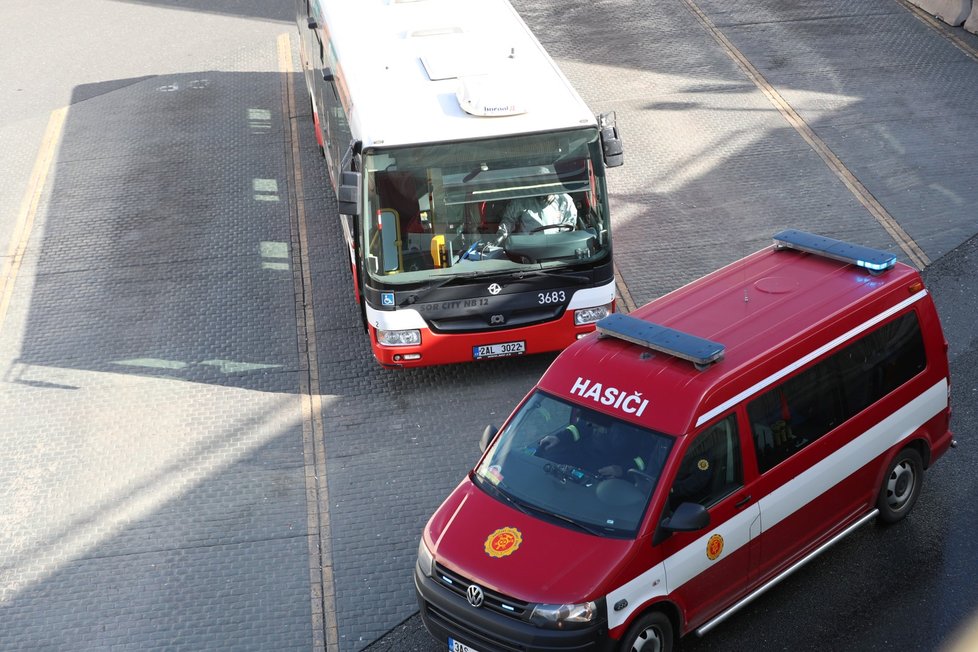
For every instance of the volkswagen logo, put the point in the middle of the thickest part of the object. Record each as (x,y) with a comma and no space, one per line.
(495,289)
(475,595)
(496,320)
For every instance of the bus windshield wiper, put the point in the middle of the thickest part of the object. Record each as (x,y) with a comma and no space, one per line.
(434,285)
(519,275)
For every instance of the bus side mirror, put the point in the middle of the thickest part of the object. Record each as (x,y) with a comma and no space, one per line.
(611,146)
(688,517)
(487,436)
(348,195)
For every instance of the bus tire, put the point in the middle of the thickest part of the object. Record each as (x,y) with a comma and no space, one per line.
(901,486)
(652,632)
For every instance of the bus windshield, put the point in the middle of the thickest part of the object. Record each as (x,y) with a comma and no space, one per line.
(522,202)
(575,465)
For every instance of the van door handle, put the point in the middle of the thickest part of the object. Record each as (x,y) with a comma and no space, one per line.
(743,501)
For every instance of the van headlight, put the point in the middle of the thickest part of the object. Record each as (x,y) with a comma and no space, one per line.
(591,315)
(426,561)
(399,338)
(564,616)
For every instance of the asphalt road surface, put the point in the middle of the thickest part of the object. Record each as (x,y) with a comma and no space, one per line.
(200,453)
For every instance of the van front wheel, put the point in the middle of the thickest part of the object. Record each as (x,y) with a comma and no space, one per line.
(650,633)
(901,486)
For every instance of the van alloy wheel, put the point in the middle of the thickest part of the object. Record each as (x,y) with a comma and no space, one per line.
(650,633)
(901,486)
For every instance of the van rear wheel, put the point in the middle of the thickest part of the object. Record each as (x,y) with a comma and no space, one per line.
(650,633)
(901,486)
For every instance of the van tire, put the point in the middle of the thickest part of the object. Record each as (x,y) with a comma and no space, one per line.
(650,633)
(901,486)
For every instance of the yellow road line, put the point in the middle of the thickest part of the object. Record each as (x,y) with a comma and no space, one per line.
(941,28)
(859,191)
(28,209)
(322,588)
(628,303)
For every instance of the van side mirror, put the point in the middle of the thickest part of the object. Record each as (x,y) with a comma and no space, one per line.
(688,517)
(487,436)
(348,194)
(611,146)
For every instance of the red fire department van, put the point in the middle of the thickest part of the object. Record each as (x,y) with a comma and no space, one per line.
(686,457)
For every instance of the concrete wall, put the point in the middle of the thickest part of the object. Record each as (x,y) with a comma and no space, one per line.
(971,24)
(952,12)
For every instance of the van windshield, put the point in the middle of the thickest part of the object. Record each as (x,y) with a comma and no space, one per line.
(576,466)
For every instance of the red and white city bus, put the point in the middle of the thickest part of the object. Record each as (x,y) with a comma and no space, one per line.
(434,117)
(670,468)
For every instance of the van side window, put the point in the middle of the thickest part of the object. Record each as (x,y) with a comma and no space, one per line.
(793,414)
(711,468)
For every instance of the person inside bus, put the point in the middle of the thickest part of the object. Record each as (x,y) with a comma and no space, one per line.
(526,214)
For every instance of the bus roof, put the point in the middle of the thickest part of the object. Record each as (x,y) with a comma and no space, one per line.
(401,62)
(759,309)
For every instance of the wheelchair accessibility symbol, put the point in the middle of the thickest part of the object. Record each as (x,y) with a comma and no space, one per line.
(387,298)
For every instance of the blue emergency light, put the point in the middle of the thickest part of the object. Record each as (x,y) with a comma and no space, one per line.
(701,352)
(874,260)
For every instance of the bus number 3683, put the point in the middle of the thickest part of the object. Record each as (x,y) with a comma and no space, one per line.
(557,296)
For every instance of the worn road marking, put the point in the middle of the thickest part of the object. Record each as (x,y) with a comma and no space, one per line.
(861,193)
(322,589)
(628,303)
(28,209)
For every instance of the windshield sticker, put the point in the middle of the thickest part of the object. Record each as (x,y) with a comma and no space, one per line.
(494,474)
(503,542)
(714,547)
(630,402)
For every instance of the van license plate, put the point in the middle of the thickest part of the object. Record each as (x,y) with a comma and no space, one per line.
(498,350)
(455,646)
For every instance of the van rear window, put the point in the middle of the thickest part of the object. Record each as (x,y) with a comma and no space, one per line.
(798,411)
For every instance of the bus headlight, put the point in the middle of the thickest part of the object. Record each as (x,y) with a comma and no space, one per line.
(591,315)
(399,338)
(426,561)
(564,616)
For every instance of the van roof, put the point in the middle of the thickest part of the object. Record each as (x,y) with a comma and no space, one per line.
(760,308)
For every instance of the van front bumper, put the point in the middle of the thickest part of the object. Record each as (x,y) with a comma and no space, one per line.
(445,616)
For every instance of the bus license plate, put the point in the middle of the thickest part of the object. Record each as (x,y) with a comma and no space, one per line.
(455,646)
(498,350)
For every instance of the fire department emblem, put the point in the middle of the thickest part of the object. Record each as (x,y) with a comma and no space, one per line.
(714,547)
(503,542)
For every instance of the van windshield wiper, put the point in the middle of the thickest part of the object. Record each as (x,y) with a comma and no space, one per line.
(526,508)
(505,495)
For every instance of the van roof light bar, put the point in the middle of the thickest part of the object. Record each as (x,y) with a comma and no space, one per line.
(701,352)
(874,260)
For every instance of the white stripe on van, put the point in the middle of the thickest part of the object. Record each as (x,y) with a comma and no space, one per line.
(684,565)
(773,378)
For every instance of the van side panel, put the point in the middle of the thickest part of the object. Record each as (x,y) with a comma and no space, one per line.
(827,495)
